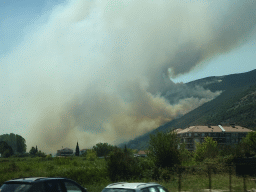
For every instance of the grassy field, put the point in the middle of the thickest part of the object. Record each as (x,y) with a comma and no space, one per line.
(94,176)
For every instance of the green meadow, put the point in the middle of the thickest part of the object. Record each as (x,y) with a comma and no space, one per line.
(93,174)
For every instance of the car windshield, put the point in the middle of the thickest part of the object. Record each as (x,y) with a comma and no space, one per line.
(14,187)
(117,190)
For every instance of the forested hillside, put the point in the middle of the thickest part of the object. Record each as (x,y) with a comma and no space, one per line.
(236,104)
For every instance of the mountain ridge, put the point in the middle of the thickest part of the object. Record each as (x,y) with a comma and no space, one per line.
(234,87)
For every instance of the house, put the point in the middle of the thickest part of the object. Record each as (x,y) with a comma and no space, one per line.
(82,151)
(141,154)
(224,135)
(65,152)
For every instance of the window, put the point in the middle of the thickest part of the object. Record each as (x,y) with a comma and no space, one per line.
(15,187)
(203,134)
(152,189)
(161,189)
(71,187)
(189,134)
(195,134)
(38,187)
(52,186)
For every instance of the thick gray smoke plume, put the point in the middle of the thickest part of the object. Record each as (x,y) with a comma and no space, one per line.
(98,71)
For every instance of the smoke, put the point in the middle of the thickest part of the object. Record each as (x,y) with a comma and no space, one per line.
(99,71)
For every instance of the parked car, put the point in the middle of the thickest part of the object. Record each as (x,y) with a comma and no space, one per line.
(41,184)
(134,187)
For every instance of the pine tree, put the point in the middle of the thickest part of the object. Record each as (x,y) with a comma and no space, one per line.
(36,149)
(125,149)
(77,150)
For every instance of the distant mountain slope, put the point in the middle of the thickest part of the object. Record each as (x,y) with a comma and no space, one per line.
(237,103)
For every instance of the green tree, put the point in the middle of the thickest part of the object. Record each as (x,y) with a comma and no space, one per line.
(250,141)
(5,149)
(163,149)
(32,151)
(20,144)
(103,149)
(122,166)
(17,142)
(185,155)
(91,155)
(207,149)
(77,150)
(125,149)
(40,154)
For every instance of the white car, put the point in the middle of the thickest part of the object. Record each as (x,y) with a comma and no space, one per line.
(134,187)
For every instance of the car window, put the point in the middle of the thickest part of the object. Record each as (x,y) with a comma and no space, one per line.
(37,187)
(12,187)
(72,187)
(52,186)
(162,189)
(145,190)
(152,189)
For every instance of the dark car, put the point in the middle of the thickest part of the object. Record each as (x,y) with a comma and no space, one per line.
(41,184)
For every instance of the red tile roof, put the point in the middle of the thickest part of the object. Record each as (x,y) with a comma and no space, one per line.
(214,129)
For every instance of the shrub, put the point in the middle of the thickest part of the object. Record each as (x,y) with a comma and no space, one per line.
(208,149)
(163,149)
(91,155)
(122,166)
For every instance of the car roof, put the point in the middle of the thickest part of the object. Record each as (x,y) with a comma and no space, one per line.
(124,185)
(33,179)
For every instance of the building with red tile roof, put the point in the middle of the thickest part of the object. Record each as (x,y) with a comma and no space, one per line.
(224,135)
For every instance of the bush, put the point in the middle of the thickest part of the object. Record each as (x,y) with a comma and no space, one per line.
(91,155)
(185,155)
(208,149)
(122,166)
(163,149)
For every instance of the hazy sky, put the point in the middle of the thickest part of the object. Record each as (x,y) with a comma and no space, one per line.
(18,17)
(97,71)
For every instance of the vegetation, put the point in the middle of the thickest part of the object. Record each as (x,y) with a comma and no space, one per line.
(250,142)
(16,142)
(163,149)
(207,149)
(120,165)
(77,150)
(91,155)
(103,149)
(5,149)
(34,152)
